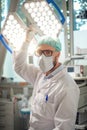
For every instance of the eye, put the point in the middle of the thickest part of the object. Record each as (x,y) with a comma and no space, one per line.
(47,52)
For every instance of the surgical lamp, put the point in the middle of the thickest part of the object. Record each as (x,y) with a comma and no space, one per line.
(14,31)
(45,15)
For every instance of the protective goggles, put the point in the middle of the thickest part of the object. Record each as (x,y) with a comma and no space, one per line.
(47,53)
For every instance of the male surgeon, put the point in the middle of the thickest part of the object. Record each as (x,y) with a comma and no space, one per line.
(55,94)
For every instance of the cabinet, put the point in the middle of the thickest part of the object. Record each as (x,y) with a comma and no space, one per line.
(10,118)
(6,115)
(81,121)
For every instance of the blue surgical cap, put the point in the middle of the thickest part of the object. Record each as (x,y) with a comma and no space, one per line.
(50,41)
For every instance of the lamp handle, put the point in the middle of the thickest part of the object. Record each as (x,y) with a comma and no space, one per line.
(58,9)
(5,44)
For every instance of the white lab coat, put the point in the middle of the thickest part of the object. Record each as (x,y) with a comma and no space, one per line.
(59,111)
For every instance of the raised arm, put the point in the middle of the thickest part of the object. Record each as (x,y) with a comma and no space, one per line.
(27,71)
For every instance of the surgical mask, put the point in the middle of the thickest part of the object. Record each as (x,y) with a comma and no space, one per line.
(46,63)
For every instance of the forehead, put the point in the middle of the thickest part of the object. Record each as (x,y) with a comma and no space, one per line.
(45,47)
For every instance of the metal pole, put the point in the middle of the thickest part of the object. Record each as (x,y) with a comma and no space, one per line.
(71,27)
(2,58)
(3,10)
(13,5)
(0,16)
(65,27)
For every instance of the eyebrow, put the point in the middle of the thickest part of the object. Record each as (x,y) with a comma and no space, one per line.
(45,50)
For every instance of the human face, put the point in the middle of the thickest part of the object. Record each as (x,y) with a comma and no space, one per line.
(42,49)
(48,51)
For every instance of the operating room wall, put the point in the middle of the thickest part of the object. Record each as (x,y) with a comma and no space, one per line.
(80,45)
(8,70)
(80,40)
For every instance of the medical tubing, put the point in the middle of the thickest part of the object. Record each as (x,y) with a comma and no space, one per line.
(5,44)
(54,4)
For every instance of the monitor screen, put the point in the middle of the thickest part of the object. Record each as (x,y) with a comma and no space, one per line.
(70,69)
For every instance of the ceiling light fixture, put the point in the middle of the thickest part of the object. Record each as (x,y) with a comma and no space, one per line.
(14,31)
(45,15)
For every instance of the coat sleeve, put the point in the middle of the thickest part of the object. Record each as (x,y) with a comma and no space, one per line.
(66,110)
(27,71)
